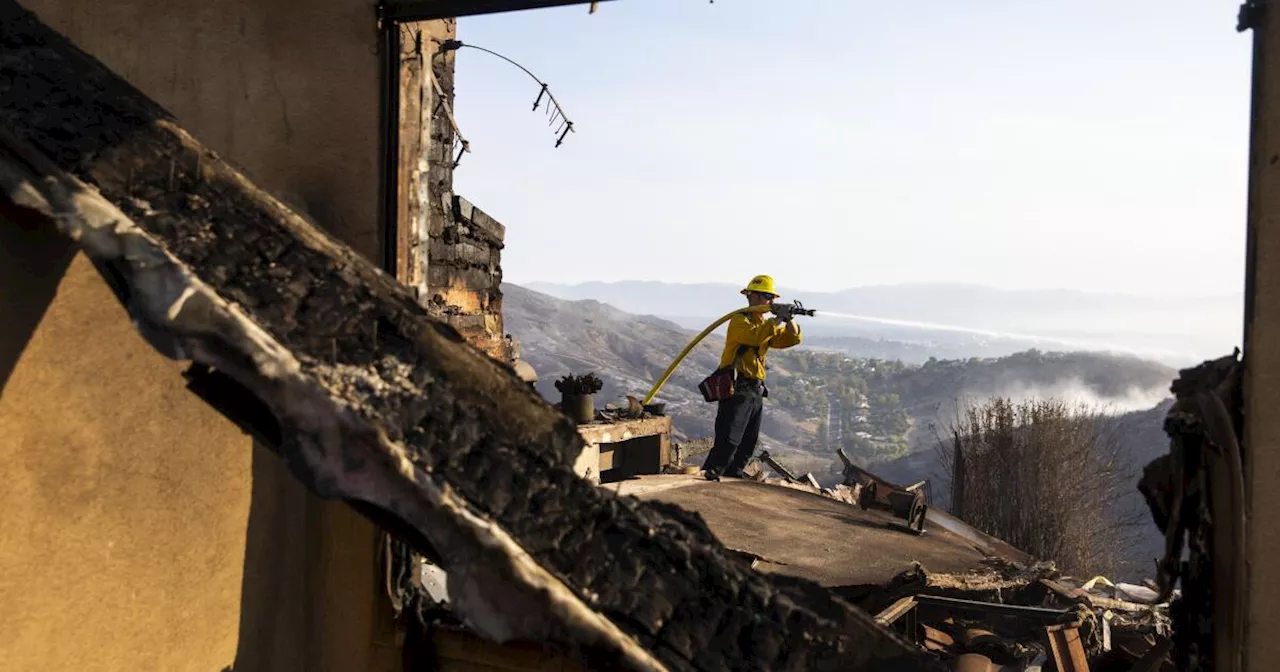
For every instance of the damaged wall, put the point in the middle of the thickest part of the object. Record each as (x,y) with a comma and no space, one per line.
(425,163)
(447,249)
(465,276)
(144,531)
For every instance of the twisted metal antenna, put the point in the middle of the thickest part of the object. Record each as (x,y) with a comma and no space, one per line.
(460,142)
(555,113)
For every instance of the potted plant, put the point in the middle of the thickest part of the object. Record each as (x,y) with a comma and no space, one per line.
(578,396)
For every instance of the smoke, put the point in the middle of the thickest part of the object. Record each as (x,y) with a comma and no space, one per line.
(1077,392)
(1072,391)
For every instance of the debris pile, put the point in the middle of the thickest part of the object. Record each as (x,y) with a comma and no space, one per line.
(860,487)
(1006,616)
(634,410)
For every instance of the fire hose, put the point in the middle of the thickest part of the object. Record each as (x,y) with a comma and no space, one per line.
(795,308)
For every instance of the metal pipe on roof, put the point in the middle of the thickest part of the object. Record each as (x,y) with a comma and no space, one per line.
(991,608)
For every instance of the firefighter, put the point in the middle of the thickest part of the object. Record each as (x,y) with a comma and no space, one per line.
(747,343)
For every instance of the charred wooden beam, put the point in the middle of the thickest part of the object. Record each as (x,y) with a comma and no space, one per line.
(952,604)
(428,10)
(375,402)
(896,610)
(1196,495)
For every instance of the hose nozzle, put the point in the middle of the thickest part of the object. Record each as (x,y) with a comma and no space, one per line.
(793,308)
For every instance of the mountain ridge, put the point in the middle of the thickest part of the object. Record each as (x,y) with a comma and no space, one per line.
(1177,330)
(542,286)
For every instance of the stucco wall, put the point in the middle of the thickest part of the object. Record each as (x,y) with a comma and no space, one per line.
(142,531)
(125,501)
(1262,357)
(286,91)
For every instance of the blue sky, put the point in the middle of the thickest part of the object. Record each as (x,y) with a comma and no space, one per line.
(1082,144)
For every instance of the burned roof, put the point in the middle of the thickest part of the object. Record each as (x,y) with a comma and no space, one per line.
(800,533)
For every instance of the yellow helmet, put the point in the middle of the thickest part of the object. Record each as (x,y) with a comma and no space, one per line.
(762,284)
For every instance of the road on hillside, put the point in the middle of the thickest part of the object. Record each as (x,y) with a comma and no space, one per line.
(835,433)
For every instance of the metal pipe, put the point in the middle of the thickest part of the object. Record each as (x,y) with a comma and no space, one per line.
(429,10)
(972,606)
(389,139)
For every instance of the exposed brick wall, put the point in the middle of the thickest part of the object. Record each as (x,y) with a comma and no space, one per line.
(450,251)
(435,163)
(426,145)
(464,276)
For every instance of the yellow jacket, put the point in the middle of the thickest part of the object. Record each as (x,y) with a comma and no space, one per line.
(758,334)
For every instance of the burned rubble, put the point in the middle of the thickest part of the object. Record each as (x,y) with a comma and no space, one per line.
(1009,613)
(1019,617)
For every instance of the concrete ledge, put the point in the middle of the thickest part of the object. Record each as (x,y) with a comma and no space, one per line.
(620,450)
(486,227)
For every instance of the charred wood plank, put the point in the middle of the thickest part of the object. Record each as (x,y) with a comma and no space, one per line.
(937,603)
(426,10)
(896,610)
(375,402)
(1196,494)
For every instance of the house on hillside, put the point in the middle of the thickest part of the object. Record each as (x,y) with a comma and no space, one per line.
(138,539)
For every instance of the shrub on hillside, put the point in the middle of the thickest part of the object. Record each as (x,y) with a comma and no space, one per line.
(1046,477)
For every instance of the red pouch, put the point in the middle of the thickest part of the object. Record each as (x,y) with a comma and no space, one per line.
(719,385)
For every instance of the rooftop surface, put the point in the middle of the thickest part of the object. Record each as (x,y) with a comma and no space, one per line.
(801,533)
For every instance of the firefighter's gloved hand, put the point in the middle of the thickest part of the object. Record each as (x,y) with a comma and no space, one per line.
(783,311)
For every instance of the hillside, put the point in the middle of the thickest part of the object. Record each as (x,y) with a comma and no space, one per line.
(1138,437)
(937,387)
(878,410)
(1142,439)
(627,351)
